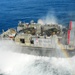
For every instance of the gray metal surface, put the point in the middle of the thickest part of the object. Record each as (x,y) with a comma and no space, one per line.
(49,52)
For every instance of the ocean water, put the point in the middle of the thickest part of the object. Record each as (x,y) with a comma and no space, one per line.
(12,11)
(13,62)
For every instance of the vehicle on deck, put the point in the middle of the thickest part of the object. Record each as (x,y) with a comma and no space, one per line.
(42,39)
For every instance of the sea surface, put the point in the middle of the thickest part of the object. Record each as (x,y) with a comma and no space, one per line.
(12,61)
(13,11)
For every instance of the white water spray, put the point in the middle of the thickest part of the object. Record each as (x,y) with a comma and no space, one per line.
(50,18)
(13,63)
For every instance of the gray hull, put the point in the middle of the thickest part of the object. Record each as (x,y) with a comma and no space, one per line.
(49,52)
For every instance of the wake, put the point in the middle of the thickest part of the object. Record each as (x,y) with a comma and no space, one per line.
(15,63)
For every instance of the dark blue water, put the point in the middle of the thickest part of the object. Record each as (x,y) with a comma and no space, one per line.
(12,11)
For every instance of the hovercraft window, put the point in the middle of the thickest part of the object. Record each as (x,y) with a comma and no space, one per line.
(22,40)
(32,41)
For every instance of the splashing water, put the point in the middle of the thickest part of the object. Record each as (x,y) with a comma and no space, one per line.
(50,18)
(13,63)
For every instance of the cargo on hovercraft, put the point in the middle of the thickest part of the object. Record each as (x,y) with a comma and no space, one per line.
(42,39)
